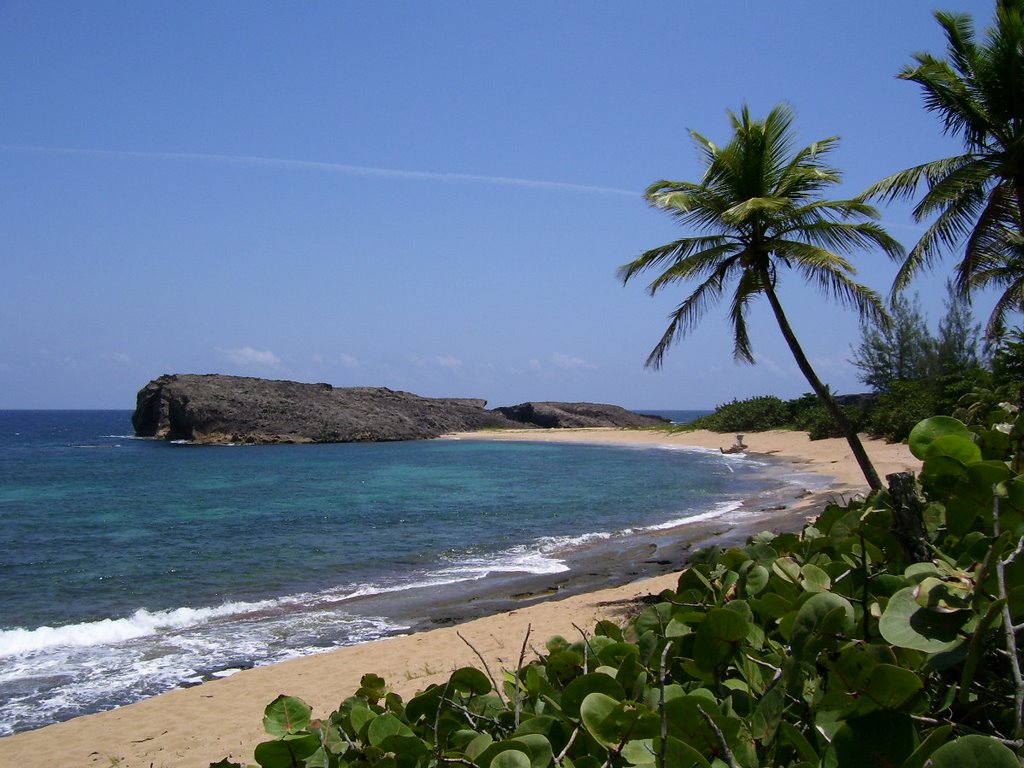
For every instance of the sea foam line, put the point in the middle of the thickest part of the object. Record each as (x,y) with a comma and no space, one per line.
(109,631)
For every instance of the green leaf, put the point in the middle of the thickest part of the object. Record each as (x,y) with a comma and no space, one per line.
(878,739)
(510,759)
(538,748)
(935,740)
(928,431)
(974,751)
(906,624)
(385,726)
(718,638)
(286,714)
(958,447)
(639,752)
(823,615)
(814,579)
(425,704)
(584,685)
(613,722)
(470,680)
(286,752)
(756,579)
(679,754)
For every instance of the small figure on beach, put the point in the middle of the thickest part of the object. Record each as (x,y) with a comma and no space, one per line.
(737,447)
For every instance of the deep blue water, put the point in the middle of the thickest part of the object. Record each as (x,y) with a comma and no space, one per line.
(129,567)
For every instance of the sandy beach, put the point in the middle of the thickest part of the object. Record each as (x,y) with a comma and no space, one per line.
(195,726)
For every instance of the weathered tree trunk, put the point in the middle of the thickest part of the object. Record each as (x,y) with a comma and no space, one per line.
(908,510)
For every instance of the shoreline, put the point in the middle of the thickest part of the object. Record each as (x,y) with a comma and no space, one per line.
(223,718)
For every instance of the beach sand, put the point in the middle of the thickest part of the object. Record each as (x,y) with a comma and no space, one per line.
(192,727)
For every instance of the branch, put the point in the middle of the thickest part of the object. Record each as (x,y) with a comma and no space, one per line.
(663,674)
(519,671)
(487,669)
(722,744)
(586,647)
(1011,637)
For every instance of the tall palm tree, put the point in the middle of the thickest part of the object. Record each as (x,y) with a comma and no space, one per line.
(977,197)
(760,212)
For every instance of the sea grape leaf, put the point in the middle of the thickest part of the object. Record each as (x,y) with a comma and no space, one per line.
(360,717)
(822,615)
(906,624)
(584,685)
(500,747)
(928,431)
(959,447)
(510,758)
(974,751)
(286,714)
(639,752)
(373,687)
(787,569)
(613,722)
(814,579)
(681,754)
(470,680)
(944,596)
(538,748)
(384,726)
(286,751)
(718,638)
(756,579)
(424,704)
(687,723)
(878,739)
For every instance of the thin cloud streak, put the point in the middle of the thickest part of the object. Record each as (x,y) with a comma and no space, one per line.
(314,165)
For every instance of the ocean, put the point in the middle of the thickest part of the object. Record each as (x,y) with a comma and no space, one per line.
(129,567)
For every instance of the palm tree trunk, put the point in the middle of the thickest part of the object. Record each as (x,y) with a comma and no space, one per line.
(819,388)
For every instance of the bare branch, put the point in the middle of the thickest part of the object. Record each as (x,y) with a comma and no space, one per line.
(487,669)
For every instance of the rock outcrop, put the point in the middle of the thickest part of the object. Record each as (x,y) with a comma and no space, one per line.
(577,415)
(234,409)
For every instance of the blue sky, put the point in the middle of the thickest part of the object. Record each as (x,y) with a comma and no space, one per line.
(431,197)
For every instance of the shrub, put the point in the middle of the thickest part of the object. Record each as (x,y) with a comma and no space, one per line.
(756,414)
(897,411)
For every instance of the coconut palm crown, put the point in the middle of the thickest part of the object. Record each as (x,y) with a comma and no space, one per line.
(758,212)
(977,197)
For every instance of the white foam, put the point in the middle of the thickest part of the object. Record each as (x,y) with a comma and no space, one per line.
(109,631)
(720,509)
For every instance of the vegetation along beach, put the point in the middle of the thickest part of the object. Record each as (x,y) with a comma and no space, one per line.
(389,498)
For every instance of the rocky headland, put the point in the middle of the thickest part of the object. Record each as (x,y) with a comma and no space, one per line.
(216,409)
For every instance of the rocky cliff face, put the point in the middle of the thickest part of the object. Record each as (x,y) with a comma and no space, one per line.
(234,409)
(577,415)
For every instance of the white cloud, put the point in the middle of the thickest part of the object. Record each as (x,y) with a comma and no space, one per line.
(570,363)
(250,356)
(349,361)
(447,361)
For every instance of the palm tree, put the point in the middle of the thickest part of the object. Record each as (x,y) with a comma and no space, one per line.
(759,211)
(976,197)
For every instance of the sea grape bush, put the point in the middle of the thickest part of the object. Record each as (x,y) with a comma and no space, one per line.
(835,647)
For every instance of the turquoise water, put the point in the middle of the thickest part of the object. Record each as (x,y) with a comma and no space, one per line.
(130,567)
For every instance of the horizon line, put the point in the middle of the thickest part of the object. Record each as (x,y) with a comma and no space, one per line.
(318,165)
